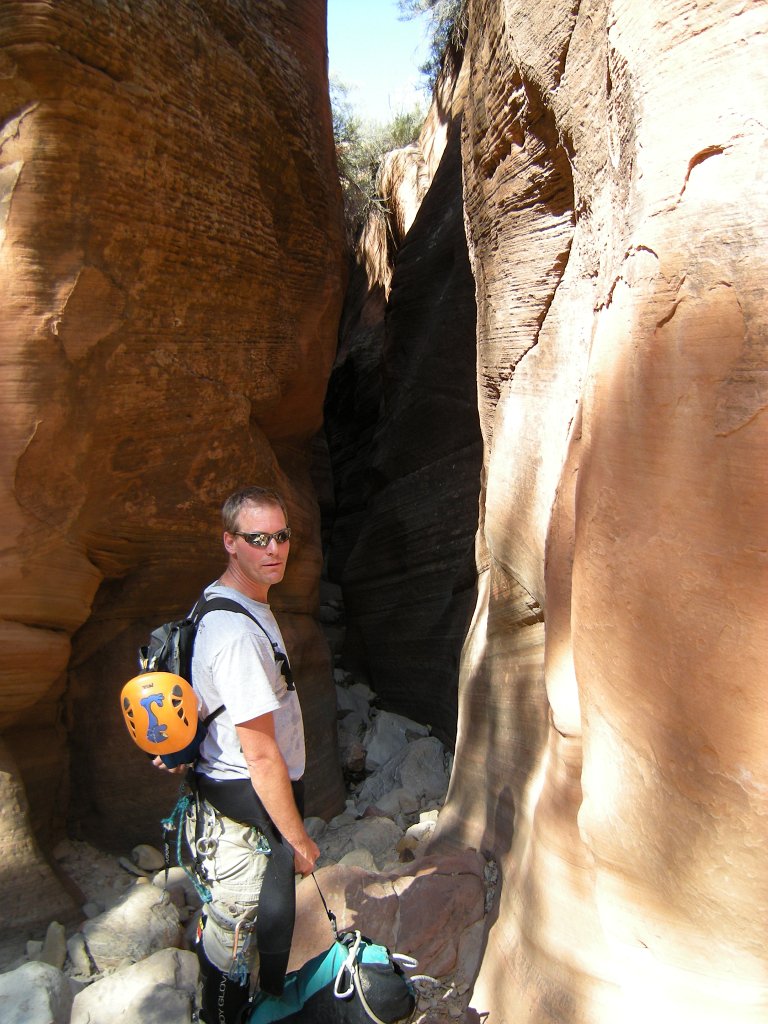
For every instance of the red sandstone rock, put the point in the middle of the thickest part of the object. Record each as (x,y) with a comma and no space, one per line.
(172,276)
(403,432)
(421,910)
(611,162)
(617,766)
(29,884)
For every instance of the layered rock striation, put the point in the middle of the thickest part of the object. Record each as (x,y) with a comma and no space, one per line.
(611,730)
(610,735)
(403,431)
(173,273)
(547,424)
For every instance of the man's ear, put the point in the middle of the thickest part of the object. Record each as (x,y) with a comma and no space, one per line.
(229,543)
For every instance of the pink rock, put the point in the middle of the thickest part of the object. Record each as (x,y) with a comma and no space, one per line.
(421,909)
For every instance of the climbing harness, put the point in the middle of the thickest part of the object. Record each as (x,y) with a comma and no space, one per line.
(173,833)
(353,971)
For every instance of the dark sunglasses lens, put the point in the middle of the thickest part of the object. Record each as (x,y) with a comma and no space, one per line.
(261,540)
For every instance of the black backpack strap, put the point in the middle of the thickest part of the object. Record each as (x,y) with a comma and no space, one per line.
(226,604)
(214,714)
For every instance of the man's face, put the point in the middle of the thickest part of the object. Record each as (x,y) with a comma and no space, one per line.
(258,568)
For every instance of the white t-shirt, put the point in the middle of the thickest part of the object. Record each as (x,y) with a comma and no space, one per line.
(234,665)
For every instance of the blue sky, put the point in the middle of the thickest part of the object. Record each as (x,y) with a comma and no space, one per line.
(377,55)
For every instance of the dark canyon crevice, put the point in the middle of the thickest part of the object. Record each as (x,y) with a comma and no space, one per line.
(404,440)
(540,476)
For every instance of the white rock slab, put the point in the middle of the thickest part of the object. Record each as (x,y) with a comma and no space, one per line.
(160,990)
(422,769)
(397,803)
(417,767)
(387,736)
(144,921)
(148,858)
(354,698)
(379,836)
(35,993)
(178,881)
(54,951)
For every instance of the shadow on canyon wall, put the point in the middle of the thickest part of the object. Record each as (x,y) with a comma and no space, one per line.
(542,417)
(404,440)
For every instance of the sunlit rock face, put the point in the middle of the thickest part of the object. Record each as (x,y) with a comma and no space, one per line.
(615,763)
(402,424)
(172,279)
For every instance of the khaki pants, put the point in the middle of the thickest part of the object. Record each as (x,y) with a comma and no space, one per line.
(232,859)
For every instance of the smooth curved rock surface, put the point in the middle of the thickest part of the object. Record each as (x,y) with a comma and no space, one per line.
(173,271)
(401,419)
(421,909)
(616,763)
(173,263)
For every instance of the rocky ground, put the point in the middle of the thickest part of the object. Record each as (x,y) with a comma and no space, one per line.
(129,957)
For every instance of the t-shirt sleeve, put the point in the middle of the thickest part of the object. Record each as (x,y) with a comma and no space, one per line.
(247,678)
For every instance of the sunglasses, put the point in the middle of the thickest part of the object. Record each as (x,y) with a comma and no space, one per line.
(261,540)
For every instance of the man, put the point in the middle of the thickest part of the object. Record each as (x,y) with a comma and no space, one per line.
(251,762)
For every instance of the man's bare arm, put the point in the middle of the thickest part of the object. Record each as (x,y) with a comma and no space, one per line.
(270,779)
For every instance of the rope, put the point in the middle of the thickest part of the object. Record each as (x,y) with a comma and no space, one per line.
(174,823)
(331,915)
(407,962)
(428,977)
(351,967)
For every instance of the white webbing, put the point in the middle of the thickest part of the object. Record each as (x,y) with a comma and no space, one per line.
(352,968)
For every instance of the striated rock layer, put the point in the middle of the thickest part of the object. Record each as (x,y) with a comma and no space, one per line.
(614,760)
(402,425)
(172,247)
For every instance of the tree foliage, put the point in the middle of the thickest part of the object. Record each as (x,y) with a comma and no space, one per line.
(360,144)
(448,30)
(360,147)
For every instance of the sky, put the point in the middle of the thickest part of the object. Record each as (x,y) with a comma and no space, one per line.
(377,55)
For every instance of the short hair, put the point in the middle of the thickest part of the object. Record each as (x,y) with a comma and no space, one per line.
(250,496)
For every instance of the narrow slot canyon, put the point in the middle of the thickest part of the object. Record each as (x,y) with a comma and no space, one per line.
(520,427)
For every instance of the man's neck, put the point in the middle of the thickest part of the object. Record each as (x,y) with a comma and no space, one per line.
(236,581)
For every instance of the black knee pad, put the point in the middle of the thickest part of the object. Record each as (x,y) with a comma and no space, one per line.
(223,999)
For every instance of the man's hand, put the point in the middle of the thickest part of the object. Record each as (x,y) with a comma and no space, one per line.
(305,857)
(180,769)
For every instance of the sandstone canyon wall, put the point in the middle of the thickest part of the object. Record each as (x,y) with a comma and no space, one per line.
(610,751)
(171,284)
(171,246)
(403,430)
(613,719)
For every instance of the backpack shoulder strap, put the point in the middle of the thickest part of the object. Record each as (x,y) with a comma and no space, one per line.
(227,604)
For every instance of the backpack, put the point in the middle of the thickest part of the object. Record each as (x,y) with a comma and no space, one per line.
(356,981)
(170,649)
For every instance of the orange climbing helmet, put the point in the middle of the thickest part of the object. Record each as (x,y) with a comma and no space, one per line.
(160,712)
